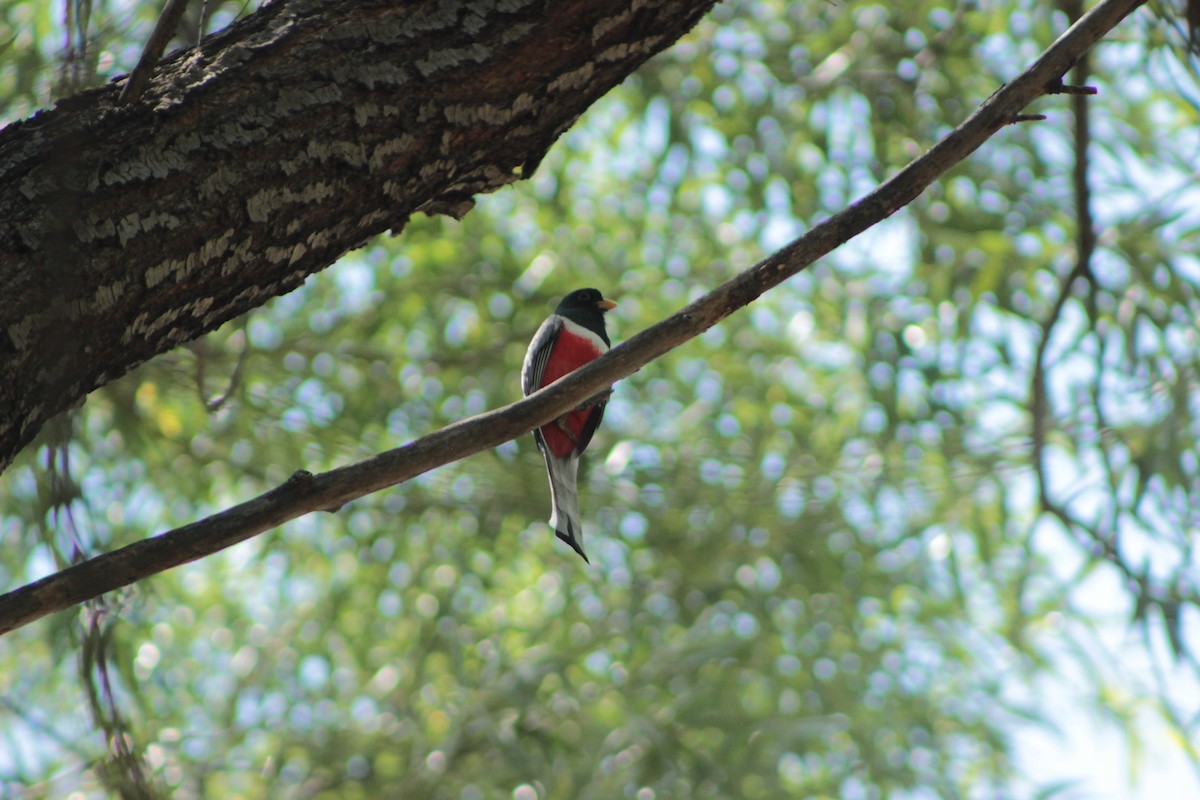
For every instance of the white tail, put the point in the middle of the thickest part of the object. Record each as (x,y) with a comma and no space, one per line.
(564,500)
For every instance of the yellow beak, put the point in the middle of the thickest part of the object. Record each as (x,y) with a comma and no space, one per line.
(607,305)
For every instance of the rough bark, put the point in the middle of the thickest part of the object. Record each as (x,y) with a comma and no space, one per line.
(265,153)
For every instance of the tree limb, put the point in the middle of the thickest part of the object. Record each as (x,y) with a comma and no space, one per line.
(304,493)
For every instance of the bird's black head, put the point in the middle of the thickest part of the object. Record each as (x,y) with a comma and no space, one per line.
(585,299)
(586,307)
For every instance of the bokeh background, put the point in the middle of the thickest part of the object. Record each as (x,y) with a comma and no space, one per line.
(920,523)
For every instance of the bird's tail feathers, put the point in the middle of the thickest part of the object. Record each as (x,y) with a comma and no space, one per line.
(565,517)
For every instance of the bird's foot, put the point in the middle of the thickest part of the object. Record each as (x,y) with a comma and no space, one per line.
(594,400)
(562,425)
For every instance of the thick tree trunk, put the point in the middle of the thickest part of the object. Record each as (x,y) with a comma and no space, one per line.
(262,155)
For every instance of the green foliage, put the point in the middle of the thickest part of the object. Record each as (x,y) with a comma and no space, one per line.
(822,567)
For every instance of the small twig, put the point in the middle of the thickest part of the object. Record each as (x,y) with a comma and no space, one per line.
(200,348)
(1065,88)
(1018,118)
(203,19)
(164,30)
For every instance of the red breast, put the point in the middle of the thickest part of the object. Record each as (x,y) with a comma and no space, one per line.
(569,354)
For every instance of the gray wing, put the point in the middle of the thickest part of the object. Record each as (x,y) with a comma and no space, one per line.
(539,353)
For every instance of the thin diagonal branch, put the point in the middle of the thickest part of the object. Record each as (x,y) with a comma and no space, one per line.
(304,493)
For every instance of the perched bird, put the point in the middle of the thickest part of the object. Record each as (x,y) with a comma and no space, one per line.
(569,338)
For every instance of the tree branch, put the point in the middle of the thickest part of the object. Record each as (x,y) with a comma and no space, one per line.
(304,493)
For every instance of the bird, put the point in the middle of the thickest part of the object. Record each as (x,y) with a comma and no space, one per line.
(569,338)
